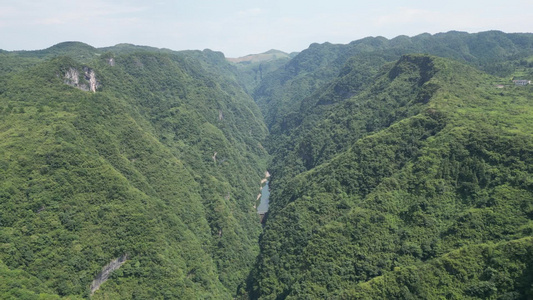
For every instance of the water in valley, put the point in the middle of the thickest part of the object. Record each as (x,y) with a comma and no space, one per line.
(263,204)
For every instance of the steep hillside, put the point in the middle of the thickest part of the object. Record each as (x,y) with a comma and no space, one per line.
(254,67)
(500,270)
(282,94)
(131,172)
(433,157)
(160,166)
(13,61)
(302,136)
(399,91)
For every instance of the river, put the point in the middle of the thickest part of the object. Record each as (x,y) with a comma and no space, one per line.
(263,204)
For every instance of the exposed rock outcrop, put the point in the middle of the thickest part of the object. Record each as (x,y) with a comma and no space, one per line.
(72,77)
(91,77)
(87,83)
(106,272)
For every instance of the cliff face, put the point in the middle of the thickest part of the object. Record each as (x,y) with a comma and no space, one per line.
(87,83)
(91,77)
(106,272)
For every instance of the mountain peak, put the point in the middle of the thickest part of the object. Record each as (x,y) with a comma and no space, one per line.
(71,45)
(270,55)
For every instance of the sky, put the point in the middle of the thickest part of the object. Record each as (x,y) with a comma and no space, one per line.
(242,27)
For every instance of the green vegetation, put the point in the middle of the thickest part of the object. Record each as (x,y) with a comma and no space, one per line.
(253,68)
(282,95)
(395,174)
(429,158)
(500,271)
(87,177)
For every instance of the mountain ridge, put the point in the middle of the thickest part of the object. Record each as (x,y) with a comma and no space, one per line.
(269,55)
(127,170)
(394,173)
(399,191)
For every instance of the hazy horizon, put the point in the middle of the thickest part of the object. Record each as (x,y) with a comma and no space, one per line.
(239,28)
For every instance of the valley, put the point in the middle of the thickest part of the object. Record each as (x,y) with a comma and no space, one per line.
(400,169)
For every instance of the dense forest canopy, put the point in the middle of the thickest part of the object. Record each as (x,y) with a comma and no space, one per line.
(401,169)
(128,170)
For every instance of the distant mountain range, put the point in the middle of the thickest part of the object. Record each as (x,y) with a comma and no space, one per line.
(262,57)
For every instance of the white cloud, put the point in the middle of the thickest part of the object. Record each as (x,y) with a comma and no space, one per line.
(241,27)
(49,21)
(252,12)
(405,16)
(59,12)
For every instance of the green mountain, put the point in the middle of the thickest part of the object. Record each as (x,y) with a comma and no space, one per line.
(282,94)
(299,98)
(501,270)
(254,67)
(77,50)
(262,57)
(18,60)
(401,169)
(439,160)
(159,166)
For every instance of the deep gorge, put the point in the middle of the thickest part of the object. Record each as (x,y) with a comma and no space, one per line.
(401,169)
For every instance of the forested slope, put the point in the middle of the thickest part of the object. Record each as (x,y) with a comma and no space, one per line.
(299,93)
(314,122)
(254,67)
(160,164)
(439,159)
(484,271)
(395,174)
